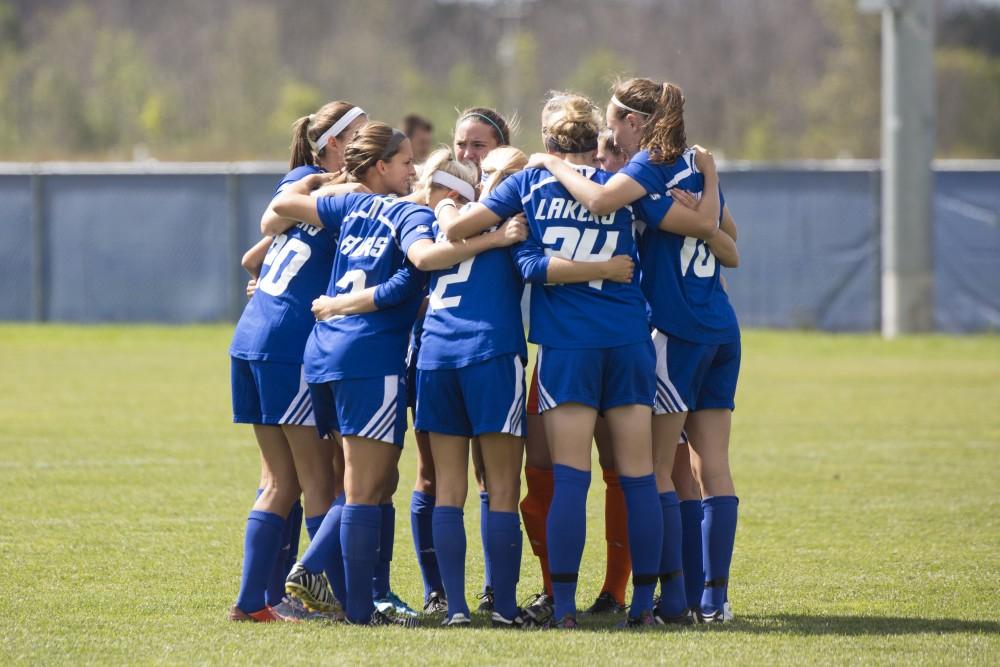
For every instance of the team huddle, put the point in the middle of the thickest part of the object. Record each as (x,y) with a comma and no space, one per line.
(381,286)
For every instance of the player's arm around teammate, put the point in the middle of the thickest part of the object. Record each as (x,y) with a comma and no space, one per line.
(268,386)
(596,354)
(697,334)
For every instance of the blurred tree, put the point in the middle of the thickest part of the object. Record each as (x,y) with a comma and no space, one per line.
(968,94)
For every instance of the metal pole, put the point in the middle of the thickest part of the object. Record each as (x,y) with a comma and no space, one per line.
(39,251)
(234,246)
(907,152)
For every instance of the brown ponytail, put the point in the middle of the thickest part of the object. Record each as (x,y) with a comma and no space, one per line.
(661,106)
(302,153)
(308,129)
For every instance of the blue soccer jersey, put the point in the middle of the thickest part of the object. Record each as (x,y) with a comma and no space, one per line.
(474,312)
(680,275)
(278,318)
(597,314)
(375,232)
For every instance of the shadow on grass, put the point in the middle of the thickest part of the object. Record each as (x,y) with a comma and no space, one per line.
(805,625)
(802,624)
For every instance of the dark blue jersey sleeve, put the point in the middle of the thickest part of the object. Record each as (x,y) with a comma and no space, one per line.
(417,224)
(406,283)
(643,172)
(331,211)
(505,200)
(531,260)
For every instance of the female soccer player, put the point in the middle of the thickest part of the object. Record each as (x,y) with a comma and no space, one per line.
(697,335)
(354,364)
(538,471)
(478,131)
(595,354)
(267,379)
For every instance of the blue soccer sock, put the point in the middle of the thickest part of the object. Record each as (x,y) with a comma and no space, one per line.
(289,543)
(325,544)
(260,552)
(566,527)
(359,534)
(504,546)
(694,574)
(334,568)
(380,582)
(673,596)
(645,538)
(449,536)
(718,533)
(484,513)
(422,527)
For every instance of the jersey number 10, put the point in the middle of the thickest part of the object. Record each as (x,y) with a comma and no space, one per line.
(697,254)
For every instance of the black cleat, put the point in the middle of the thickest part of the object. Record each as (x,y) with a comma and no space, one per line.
(604,604)
(312,590)
(540,609)
(684,618)
(435,604)
(378,618)
(567,622)
(487,600)
(643,621)
(717,616)
(456,620)
(520,621)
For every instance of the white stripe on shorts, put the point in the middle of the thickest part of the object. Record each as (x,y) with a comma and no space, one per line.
(512,424)
(668,399)
(545,400)
(385,416)
(300,405)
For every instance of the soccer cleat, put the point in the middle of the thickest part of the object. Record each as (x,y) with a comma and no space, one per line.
(487,600)
(540,609)
(436,604)
(378,618)
(521,620)
(290,609)
(567,622)
(391,604)
(456,620)
(641,622)
(684,618)
(265,615)
(727,611)
(718,616)
(312,590)
(604,604)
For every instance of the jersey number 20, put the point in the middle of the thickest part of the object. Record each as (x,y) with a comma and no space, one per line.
(284,259)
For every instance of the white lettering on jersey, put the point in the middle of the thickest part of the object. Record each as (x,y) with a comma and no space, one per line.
(357,246)
(308,229)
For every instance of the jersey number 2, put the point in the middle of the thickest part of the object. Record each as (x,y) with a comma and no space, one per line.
(437,298)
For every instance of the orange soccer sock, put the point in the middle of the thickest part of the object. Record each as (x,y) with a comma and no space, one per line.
(619,566)
(534,511)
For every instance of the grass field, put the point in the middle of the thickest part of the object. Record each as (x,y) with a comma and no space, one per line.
(868,474)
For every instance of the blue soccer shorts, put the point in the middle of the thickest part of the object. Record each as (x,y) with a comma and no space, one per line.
(693,376)
(602,378)
(486,397)
(364,407)
(270,392)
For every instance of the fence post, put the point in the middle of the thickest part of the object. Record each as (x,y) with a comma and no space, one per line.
(39,250)
(235,243)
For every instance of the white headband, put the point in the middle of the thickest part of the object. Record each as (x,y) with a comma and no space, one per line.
(618,103)
(336,128)
(455,183)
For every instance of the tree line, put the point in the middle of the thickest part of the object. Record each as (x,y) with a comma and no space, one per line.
(224,80)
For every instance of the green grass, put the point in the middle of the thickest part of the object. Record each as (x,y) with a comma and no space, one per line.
(867,471)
